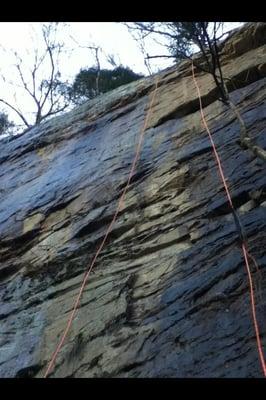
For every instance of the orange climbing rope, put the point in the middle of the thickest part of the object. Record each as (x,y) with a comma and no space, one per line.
(120,203)
(243,244)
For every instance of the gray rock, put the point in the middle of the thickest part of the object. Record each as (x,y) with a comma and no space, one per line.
(168,295)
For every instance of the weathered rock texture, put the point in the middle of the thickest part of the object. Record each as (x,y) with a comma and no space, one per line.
(168,296)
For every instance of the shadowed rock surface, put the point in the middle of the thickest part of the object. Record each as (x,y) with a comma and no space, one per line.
(169,295)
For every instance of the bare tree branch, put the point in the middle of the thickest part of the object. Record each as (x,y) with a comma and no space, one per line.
(142,26)
(49,48)
(16,111)
(96,50)
(48,100)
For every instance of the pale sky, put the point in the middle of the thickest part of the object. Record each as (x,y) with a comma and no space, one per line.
(113,38)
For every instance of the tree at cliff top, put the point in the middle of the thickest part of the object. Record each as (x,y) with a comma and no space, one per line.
(86,86)
(181,37)
(181,40)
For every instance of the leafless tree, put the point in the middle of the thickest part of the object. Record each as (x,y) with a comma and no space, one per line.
(41,81)
(95,49)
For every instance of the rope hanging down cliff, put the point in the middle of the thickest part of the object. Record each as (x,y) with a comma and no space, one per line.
(120,203)
(239,228)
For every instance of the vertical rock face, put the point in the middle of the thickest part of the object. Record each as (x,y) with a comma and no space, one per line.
(169,295)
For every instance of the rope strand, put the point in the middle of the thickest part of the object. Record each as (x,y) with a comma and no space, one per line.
(239,228)
(120,203)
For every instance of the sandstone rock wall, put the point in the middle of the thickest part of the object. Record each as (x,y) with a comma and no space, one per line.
(168,296)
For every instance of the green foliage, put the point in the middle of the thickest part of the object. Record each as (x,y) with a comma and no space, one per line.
(5,124)
(181,37)
(185,35)
(84,86)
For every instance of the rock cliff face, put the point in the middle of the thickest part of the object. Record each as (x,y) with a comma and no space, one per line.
(169,295)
